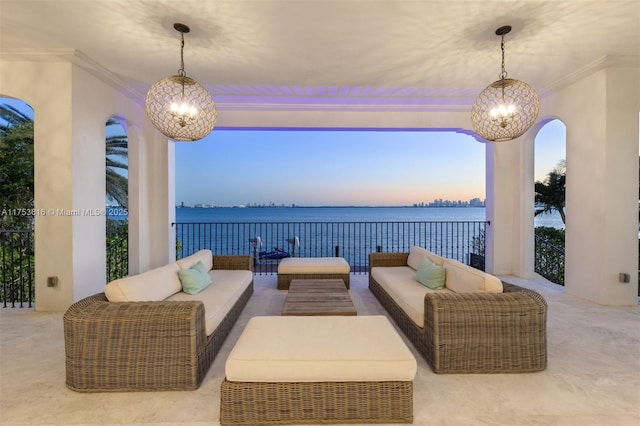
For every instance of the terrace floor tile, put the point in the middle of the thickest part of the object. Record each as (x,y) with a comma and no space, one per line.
(593,376)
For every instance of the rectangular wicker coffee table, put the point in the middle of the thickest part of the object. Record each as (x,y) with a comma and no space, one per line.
(318,297)
(318,370)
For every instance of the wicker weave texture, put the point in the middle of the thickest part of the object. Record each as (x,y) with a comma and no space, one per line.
(233,262)
(141,346)
(284,280)
(387,259)
(284,403)
(475,333)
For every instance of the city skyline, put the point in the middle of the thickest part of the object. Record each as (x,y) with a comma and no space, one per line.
(474,202)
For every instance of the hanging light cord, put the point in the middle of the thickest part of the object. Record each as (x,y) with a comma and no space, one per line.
(503,74)
(181,72)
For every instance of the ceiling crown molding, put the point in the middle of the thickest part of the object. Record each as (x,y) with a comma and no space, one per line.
(75,57)
(604,62)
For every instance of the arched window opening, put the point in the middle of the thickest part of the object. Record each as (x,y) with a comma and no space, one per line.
(550,175)
(17,212)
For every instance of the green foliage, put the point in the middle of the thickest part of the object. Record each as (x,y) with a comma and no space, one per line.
(553,235)
(16,169)
(549,253)
(550,194)
(117,249)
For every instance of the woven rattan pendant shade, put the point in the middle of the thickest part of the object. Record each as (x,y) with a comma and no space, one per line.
(505,109)
(178,126)
(180,107)
(507,92)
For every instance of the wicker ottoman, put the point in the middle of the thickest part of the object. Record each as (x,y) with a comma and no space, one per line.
(306,370)
(292,268)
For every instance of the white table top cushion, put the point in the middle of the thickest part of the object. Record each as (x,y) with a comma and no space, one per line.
(320,349)
(313,265)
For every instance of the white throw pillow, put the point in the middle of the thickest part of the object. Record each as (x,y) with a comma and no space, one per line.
(204,256)
(153,285)
(416,254)
(462,278)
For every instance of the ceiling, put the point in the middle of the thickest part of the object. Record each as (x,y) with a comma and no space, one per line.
(327,54)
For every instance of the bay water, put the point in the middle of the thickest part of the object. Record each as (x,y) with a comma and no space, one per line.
(323,231)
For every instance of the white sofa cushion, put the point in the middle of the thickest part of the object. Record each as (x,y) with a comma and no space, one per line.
(320,349)
(400,283)
(153,285)
(204,256)
(416,254)
(220,296)
(313,265)
(463,278)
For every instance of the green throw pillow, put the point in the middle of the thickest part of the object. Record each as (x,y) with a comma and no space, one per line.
(200,267)
(431,275)
(194,279)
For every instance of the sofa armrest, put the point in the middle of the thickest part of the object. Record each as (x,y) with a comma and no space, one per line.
(513,301)
(387,259)
(233,261)
(496,331)
(119,345)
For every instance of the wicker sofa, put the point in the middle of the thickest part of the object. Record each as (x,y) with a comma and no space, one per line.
(486,330)
(144,333)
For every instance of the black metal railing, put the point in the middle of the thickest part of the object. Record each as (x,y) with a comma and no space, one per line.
(549,260)
(118,259)
(351,240)
(17,273)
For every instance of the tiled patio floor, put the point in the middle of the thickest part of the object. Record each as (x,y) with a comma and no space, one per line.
(593,376)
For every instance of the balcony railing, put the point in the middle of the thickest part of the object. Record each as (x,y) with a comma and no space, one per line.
(549,260)
(351,240)
(17,268)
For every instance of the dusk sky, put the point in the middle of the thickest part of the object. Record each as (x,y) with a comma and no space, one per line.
(310,168)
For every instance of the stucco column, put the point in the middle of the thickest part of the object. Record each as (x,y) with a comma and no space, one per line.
(156,189)
(509,180)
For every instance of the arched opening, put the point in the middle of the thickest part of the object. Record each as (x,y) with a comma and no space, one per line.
(117,199)
(17,212)
(550,173)
(349,176)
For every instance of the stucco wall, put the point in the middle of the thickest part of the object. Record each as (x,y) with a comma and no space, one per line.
(71,107)
(601,115)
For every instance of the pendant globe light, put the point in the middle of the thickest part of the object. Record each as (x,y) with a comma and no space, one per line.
(507,108)
(180,107)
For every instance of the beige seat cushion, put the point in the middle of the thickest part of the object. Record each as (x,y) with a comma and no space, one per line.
(153,285)
(219,297)
(320,349)
(313,265)
(400,283)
